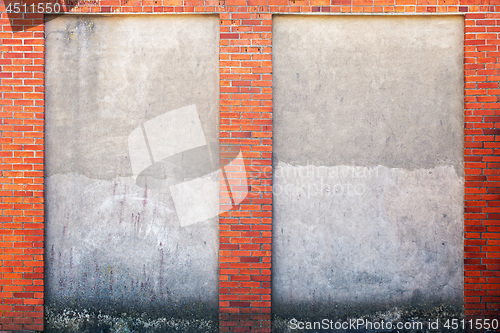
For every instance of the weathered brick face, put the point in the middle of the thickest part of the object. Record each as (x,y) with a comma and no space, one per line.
(245,125)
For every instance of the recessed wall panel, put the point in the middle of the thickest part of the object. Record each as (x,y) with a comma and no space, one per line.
(132,113)
(368,166)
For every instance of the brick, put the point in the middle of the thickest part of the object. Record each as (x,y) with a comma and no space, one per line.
(246,104)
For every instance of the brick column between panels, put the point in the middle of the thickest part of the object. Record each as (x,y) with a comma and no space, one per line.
(246,126)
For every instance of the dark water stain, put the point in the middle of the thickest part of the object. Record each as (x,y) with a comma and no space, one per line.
(52,255)
(122,204)
(162,264)
(75,320)
(136,221)
(409,312)
(145,197)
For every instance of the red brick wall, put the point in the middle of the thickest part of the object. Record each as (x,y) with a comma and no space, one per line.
(482,161)
(246,124)
(21,187)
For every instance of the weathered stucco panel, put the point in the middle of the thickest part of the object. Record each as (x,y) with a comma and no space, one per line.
(368,90)
(114,241)
(368,165)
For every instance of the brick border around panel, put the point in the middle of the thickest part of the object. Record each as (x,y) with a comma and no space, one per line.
(246,126)
(482,164)
(21,153)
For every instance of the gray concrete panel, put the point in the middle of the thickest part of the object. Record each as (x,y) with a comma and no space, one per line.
(368,166)
(368,91)
(132,109)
